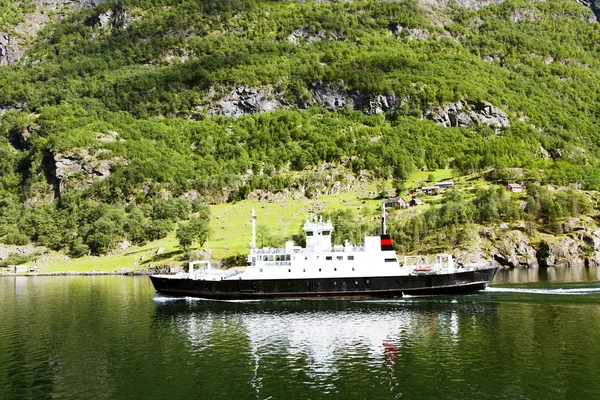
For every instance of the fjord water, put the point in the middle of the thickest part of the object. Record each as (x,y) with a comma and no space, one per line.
(114,338)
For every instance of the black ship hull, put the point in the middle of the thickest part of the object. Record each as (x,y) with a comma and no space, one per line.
(364,287)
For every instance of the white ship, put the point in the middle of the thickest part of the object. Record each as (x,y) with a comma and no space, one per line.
(371,269)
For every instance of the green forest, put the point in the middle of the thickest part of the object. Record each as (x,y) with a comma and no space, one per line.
(136,95)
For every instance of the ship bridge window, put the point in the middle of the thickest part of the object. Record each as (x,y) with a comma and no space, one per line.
(390,260)
(326,233)
(350,258)
(328,258)
(340,257)
(309,233)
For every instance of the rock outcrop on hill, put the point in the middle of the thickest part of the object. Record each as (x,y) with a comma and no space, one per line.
(505,247)
(465,114)
(79,168)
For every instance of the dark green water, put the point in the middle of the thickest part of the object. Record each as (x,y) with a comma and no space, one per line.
(113,338)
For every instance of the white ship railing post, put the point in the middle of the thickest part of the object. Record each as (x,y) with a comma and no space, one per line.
(383,226)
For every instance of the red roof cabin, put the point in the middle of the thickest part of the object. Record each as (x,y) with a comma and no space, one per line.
(429,189)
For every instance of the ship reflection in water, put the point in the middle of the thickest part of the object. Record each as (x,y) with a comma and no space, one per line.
(324,342)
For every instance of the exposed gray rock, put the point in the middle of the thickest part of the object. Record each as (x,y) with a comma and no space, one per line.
(334,98)
(464,114)
(246,100)
(301,35)
(117,18)
(6,250)
(79,168)
(563,252)
(515,250)
(10,51)
(493,58)
(104,19)
(472,4)
(419,34)
(524,15)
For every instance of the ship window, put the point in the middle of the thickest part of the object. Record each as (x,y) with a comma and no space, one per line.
(340,257)
(352,268)
(304,270)
(260,270)
(326,233)
(287,257)
(350,258)
(390,260)
(289,270)
(309,233)
(306,257)
(335,269)
(328,258)
(319,269)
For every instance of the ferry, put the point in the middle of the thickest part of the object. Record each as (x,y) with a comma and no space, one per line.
(371,269)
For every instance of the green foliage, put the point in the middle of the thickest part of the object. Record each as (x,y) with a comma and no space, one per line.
(18,259)
(171,209)
(266,238)
(13,12)
(150,87)
(196,230)
(347,228)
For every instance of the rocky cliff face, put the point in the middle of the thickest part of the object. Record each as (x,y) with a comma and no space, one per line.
(465,114)
(243,100)
(578,245)
(79,168)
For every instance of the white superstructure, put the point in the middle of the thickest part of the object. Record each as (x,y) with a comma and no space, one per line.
(320,259)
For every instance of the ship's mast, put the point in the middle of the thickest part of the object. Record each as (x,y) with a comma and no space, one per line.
(253,242)
(383,225)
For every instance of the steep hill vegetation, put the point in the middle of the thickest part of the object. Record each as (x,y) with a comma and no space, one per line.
(119,111)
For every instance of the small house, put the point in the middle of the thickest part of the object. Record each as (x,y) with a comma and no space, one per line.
(20,269)
(445,184)
(429,189)
(414,202)
(396,202)
(514,188)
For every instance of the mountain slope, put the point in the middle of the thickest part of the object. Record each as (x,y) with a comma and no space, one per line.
(121,105)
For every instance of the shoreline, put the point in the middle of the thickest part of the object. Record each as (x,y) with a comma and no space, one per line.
(77,273)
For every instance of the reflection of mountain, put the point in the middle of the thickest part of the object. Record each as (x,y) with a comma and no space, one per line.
(320,340)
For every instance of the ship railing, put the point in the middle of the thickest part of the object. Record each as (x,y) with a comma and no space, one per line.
(269,251)
(429,264)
